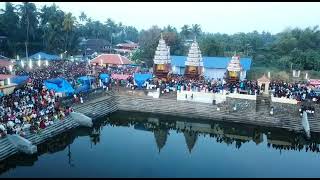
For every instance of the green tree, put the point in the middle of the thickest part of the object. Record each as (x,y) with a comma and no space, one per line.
(29,21)
(196,30)
(68,26)
(185,31)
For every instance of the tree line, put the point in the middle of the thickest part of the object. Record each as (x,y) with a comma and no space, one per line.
(52,30)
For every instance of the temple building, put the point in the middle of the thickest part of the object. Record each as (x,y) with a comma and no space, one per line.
(213,67)
(126,48)
(162,60)
(194,63)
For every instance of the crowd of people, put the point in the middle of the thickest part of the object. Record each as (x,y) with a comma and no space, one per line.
(35,107)
(297,91)
(30,108)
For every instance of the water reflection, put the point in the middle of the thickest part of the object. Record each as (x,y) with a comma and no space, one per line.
(221,132)
(234,135)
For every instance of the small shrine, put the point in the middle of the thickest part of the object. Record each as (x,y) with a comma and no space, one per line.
(194,63)
(234,69)
(264,83)
(162,60)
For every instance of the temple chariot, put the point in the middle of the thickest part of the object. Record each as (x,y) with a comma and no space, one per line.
(162,60)
(194,63)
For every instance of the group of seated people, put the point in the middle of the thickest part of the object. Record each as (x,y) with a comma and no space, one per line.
(297,91)
(30,108)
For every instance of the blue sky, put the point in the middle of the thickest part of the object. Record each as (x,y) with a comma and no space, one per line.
(223,17)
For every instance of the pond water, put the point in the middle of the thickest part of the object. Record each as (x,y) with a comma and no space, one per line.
(126,144)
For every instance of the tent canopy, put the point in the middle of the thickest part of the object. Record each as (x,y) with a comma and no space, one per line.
(104,77)
(44,56)
(19,79)
(83,88)
(59,85)
(86,79)
(314,82)
(141,78)
(120,76)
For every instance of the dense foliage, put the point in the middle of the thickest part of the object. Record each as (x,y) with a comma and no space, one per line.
(52,30)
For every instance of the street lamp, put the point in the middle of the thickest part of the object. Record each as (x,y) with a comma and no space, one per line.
(30,64)
(39,63)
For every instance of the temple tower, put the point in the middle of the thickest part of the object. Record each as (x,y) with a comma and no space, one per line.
(194,63)
(234,69)
(162,59)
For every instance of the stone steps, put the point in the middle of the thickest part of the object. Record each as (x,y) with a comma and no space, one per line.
(7,149)
(185,108)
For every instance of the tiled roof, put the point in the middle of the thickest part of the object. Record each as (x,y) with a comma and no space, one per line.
(5,76)
(111,59)
(5,63)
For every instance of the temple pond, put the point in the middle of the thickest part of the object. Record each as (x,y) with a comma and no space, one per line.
(126,144)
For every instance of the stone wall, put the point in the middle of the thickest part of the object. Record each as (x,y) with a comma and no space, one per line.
(242,105)
(285,108)
(196,110)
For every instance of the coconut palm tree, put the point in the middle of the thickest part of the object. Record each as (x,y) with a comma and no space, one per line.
(68,26)
(196,30)
(185,31)
(83,17)
(28,12)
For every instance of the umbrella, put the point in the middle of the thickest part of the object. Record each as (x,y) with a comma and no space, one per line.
(10,124)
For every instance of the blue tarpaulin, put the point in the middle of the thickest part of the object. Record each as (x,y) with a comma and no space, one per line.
(82,89)
(44,56)
(141,78)
(19,79)
(86,79)
(59,85)
(104,77)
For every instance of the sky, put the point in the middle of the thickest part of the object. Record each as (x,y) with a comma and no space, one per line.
(222,17)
